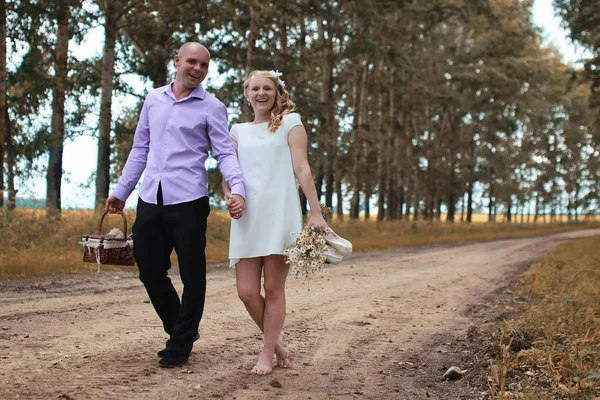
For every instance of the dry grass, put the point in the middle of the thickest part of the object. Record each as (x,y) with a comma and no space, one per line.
(562,359)
(34,245)
(372,235)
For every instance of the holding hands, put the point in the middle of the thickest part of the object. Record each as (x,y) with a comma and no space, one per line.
(236,205)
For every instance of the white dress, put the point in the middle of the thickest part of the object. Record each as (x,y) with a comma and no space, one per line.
(272,211)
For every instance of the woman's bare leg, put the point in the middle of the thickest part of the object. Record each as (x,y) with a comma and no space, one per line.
(248,280)
(276,271)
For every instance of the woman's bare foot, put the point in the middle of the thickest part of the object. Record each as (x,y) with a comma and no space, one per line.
(282,356)
(263,366)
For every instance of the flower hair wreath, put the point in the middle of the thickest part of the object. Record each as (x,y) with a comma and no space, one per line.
(277,74)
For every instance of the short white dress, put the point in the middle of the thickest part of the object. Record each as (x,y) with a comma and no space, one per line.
(273,210)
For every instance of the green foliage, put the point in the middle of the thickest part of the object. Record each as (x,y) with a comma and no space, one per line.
(419,104)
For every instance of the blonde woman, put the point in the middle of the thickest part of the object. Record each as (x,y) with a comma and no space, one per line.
(272,150)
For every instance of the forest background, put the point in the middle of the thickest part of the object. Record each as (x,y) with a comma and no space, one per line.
(427,109)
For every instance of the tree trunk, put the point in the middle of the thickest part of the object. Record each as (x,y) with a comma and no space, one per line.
(470,201)
(253,35)
(329,133)
(428,192)
(162,49)
(339,190)
(11,160)
(416,197)
(107,84)
(400,190)
(355,182)
(3,110)
(411,168)
(381,163)
(393,146)
(451,202)
(368,194)
(283,39)
(318,171)
(409,195)
(509,210)
(357,126)
(491,204)
(54,173)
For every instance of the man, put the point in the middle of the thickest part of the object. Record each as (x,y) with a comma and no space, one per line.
(177,125)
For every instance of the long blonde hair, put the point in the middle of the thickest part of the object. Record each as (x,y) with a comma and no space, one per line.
(283,103)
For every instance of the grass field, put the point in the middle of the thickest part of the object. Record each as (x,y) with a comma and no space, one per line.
(552,349)
(34,245)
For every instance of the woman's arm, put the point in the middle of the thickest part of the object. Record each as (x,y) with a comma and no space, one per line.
(298,142)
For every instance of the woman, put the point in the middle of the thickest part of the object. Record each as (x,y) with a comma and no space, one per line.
(272,151)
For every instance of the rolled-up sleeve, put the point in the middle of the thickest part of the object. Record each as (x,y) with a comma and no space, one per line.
(223,151)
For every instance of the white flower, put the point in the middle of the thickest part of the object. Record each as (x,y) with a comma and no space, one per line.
(306,254)
(277,74)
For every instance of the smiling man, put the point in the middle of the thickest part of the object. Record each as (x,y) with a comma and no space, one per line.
(178,124)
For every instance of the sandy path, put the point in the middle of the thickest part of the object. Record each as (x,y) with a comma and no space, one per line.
(349,332)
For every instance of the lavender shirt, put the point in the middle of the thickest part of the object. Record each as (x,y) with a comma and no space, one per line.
(171,144)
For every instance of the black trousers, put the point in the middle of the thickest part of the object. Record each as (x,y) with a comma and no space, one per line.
(158,229)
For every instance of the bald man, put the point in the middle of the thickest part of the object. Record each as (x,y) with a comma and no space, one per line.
(178,125)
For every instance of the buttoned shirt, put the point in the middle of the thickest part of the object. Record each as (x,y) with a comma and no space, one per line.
(171,145)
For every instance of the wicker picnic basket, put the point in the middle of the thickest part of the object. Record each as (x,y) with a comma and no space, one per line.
(106,248)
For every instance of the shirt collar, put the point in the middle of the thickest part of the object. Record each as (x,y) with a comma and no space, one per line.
(198,91)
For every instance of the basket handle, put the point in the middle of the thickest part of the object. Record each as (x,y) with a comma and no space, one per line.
(114,212)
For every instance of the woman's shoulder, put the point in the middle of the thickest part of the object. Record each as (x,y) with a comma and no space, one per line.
(292,119)
(235,128)
(239,125)
(292,116)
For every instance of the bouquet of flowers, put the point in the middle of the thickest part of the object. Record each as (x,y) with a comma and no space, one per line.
(309,253)
(306,255)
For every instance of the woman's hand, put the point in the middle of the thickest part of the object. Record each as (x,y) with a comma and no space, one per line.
(317,220)
(236,205)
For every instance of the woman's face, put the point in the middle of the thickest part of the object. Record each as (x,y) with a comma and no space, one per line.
(261,94)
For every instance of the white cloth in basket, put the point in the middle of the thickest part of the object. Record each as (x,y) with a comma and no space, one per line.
(93,244)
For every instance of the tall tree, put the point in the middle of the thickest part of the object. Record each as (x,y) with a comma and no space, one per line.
(582,17)
(113,13)
(55,158)
(3,110)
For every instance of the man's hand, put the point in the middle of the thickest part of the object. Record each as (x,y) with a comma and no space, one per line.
(114,205)
(236,206)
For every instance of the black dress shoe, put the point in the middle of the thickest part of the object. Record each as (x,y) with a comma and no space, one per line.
(173,360)
(162,352)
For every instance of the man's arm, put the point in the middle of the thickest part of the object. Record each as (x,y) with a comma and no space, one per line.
(135,165)
(223,151)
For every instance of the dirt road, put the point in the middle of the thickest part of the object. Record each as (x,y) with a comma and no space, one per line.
(371,328)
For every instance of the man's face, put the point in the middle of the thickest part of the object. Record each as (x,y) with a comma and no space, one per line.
(192,66)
